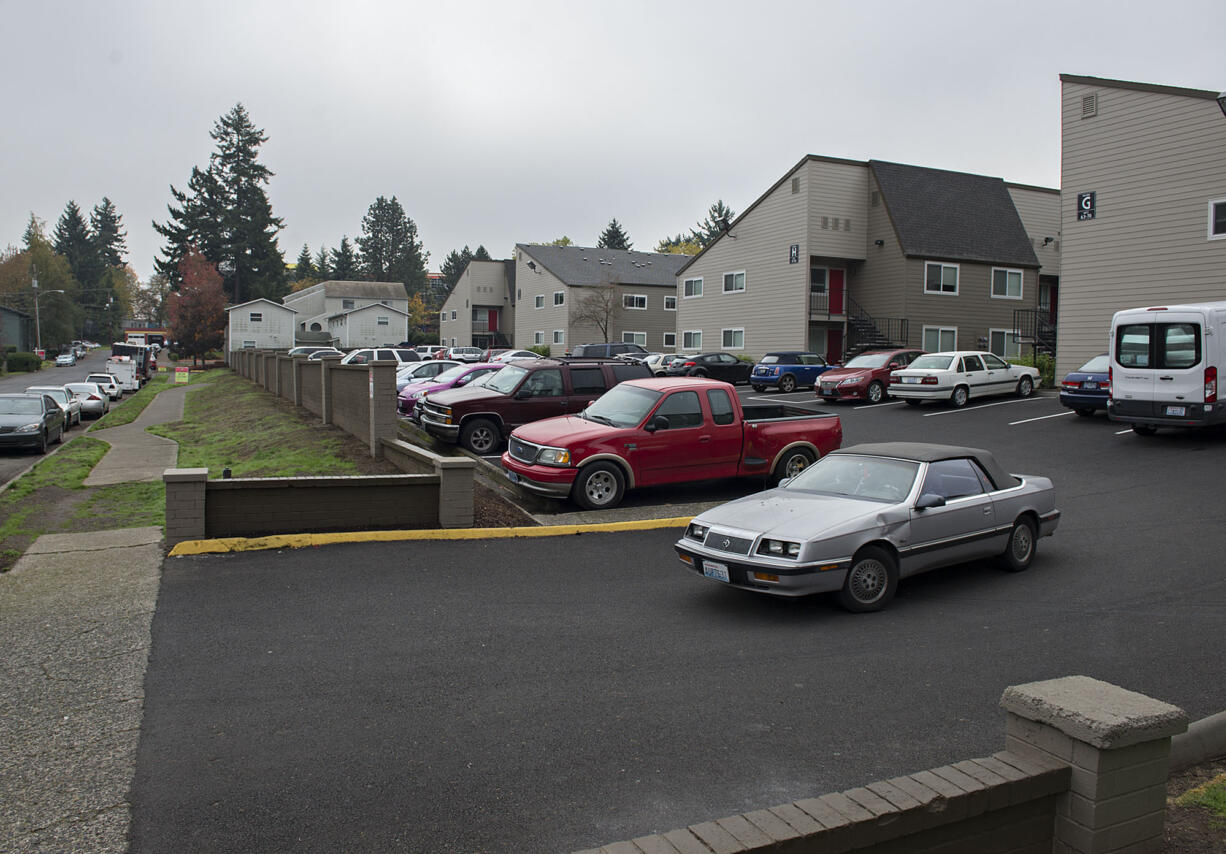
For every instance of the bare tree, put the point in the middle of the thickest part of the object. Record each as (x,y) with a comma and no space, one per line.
(600,306)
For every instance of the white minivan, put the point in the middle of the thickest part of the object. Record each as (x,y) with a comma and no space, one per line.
(1164,366)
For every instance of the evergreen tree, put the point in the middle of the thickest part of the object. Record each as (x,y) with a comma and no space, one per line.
(389,248)
(73,240)
(454,264)
(481,254)
(108,234)
(305,268)
(343,263)
(614,237)
(323,267)
(226,214)
(719,217)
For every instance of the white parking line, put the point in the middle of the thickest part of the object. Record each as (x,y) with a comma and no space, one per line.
(1122,432)
(879,405)
(982,406)
(1041,418)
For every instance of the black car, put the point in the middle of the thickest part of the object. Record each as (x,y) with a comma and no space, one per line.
(613,350)
(716,366)
(30,421)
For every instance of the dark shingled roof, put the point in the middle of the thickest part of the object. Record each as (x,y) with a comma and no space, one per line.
(578,265)
(953,215)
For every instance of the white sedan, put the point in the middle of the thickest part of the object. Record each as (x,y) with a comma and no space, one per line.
(960,375)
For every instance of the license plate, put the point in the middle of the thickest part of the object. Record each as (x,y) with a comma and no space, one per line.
(910,379)
(1090,386)
(718,571)
(1176,410)
(513,477)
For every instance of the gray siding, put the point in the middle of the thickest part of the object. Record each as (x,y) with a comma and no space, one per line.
(461,329)
(653,321)
(1039,209)
(275,331)
(973,311)
(880,285)
(837,195)
(528,318)
(1155,160)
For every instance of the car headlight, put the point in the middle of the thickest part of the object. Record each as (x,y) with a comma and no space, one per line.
(29,428)
(696,531)
(779,548)
(553,457)
(852,381)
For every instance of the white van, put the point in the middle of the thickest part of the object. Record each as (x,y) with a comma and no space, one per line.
(1164,366)
(123,369)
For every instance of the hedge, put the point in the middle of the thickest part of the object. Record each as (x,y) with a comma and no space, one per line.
(21,362)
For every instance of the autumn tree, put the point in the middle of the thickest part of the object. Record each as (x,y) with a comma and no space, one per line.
(389,248)
(58,304)
(600,306)
(198,311)
(614,237)
(680,245)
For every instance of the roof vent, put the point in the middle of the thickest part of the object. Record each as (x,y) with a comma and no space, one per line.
(1089,105)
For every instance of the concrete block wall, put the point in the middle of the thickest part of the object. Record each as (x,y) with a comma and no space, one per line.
(456,475)
(185,501)
(1083,772)
(285,377)
(311,388)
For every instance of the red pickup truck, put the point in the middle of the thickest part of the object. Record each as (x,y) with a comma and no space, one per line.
(665,430)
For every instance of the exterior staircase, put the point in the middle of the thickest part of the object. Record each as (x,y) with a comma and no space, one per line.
(865,332)
(1033,326)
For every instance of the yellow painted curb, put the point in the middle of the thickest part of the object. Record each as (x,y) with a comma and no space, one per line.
(300,541)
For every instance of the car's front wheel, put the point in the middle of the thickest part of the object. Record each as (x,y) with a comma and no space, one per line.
(480,436)
(870,582)
(1020,551)
(1025,387)
(599,486)
(875,392)
(759,388)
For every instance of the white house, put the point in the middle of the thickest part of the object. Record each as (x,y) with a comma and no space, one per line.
(260,323)
(374,325)
(317,304)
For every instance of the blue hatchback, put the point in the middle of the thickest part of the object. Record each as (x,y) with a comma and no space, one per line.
(786,370)
(1087,388)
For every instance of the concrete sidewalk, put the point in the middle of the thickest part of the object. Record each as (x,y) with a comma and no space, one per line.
(75,614)
(137,455)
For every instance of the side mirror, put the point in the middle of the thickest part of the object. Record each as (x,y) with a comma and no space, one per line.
(929,500)
(660,422)
(523,394)
(463,380)
(781,484)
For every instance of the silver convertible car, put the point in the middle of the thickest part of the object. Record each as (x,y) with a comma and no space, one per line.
(863,517)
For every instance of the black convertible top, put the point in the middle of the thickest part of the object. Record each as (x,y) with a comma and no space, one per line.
(924,452)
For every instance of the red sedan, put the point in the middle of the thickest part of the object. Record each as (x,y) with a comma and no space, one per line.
(866,376)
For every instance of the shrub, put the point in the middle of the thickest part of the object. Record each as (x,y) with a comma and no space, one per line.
(24,362)
(1046,365)
(539,349)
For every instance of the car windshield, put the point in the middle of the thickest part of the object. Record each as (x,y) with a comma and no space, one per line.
(1097,365)
(505,381)
(58,393)
(876,478)
(82,388)
(933,362)
(452,374)
(868,360)
(20,406)
(622,406)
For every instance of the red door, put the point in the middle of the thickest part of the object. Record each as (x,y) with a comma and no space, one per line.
(834,346)
(493,320)
(836,292)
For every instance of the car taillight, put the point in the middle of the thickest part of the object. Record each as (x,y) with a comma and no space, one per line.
(929,381)
(1109,381)
(690,365)
(1071,384)
(1210,385)
(94,397)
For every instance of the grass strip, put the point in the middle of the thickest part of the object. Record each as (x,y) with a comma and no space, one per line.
(130,407)
(1210,796)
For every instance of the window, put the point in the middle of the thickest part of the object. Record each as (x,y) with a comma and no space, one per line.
(692,288)
(256,317)
(538,301)
(453,340)
(346,303)
(442,317)
(639,338)
(682,409)
(587,381)
(940,278)
(952,479)
(734,282)
(546,383)
(992,363)
(939,339)
(381,321)
(1158,345)
(1217,219)
(559,297)
(247,345)
(635,301)
(559,336)
(1007,284)
(670,303)
(453,314)
(733,339)
(538,337)
(721,406)
(670,339)
(1004,343)
(691,340)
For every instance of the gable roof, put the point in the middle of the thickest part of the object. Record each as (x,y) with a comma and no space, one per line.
(953,215)
(581,265)
(377,306)
(261,299)
(361,290)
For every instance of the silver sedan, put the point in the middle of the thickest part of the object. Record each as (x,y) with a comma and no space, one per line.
(863,517)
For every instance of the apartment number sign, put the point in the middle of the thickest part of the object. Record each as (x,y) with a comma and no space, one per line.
(1086,203)
(794,253)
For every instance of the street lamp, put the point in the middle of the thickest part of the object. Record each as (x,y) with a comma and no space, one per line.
(38,330)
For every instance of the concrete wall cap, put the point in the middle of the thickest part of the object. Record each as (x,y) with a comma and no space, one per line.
(1095,712)
(181,475)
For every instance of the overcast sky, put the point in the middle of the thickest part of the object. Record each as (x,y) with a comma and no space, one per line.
(503,122)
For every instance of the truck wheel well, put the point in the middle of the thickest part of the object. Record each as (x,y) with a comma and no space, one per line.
(626,471)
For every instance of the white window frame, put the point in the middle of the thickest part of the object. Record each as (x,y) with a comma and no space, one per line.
(559,297)
(639,338)
(1007,334)
(685,288)
(255,317)
(694,336)
(670,343)
(670,303)
(942,292)
(1021,283)
(734,289)
(1212,204)
(538,301)
(382,321)
(939,330)
(453,314)
(538,337)
(248,345)
(442,317)
(559,336)
(629,300)
(723,338)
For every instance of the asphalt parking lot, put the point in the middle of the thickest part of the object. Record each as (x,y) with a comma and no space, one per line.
(555,694)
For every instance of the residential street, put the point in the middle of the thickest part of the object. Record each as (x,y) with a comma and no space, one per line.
(556,694)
